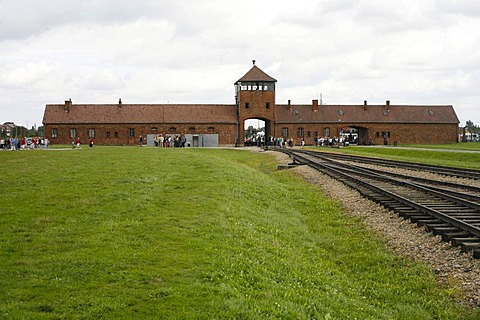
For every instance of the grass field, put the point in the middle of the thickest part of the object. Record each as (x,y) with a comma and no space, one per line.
(144,233)
(475,146)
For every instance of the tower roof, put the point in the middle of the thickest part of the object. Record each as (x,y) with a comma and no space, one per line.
(256,74)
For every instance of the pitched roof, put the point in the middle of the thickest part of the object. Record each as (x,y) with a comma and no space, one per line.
(256,74)
(216,113)
(139,113)
(366,114)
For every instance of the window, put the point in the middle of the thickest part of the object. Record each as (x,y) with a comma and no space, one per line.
(54,133)
(211,129)
(172,129)
(247,105)
(267,105)
(326,132)
(191,129)
(108,134)
(308,134)
(131,133)
(285,132)
(73,133)
(154,129)
(385,134)
(116,134)
(250,86)
(300,132)
(91,133)
(269,86)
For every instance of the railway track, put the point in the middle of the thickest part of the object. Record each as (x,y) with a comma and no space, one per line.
(442,208)
(447,171)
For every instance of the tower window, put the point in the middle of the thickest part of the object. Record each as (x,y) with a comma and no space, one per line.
(247,105)
(267,105)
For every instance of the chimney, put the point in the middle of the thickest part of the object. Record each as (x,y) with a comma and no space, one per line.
(364,105)
(289,108)
(387,105)
(120,102)
(67,106)
(314,105)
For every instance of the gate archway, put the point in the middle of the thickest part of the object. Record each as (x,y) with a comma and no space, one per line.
(256,131)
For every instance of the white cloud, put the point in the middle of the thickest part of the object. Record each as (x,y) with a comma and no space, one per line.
(465,7)
(193,51)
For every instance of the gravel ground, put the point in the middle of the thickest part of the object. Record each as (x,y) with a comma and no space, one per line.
(452,268)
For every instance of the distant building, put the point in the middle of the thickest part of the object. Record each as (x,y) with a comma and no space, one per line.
(7,129)
(223,124)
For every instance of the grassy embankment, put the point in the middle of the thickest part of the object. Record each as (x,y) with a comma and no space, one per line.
(192,234)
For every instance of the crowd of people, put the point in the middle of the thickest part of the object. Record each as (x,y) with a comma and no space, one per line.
(283,142)
(331,141)
(169,141)
(77,142)
(23,143)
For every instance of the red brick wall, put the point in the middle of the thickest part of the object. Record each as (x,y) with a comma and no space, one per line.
(227,132)
(257,108)
(402,133)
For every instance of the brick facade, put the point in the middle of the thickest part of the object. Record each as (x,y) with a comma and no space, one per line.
(399,133)
(123,124)
(119,134)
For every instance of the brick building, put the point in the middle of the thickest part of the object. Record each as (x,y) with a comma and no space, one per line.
(223,124)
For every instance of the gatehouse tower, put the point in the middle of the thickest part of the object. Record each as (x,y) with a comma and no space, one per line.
(255,99)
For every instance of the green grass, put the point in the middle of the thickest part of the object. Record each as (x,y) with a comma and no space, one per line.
(475,146)
(452,155)
(127,232)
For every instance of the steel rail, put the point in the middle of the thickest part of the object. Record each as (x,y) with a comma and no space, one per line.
(457,172)
(450,195)
(344,174)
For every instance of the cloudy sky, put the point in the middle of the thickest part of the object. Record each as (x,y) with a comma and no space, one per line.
(166,51)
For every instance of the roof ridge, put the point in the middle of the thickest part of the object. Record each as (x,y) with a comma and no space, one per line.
(256,74)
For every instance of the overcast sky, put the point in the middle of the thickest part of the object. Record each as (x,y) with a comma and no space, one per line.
(163,51)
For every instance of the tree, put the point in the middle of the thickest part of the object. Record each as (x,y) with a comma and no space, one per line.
(471,127)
